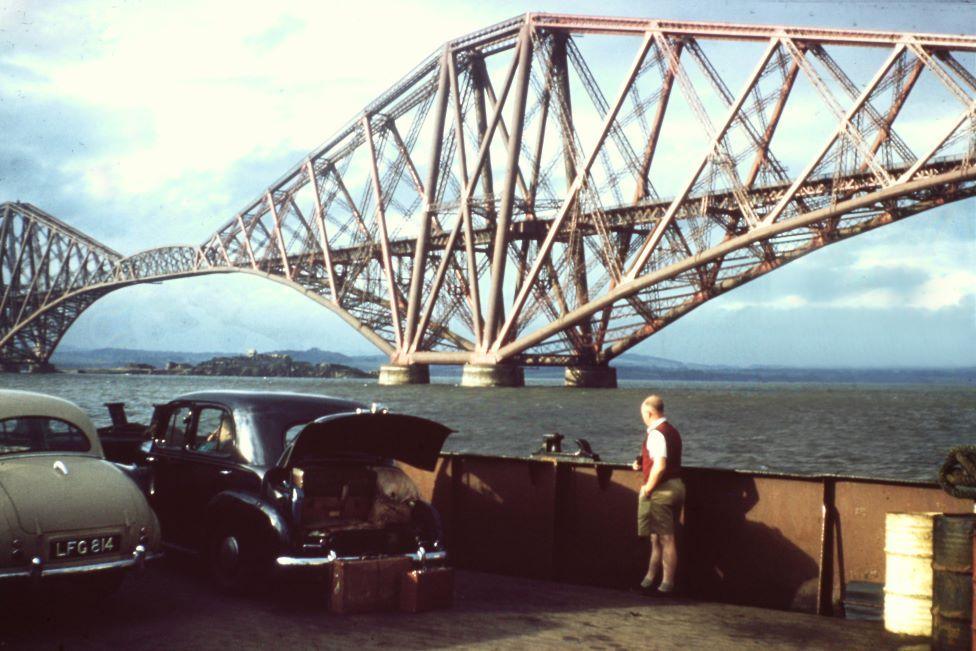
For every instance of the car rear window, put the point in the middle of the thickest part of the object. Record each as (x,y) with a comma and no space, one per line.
(40,434)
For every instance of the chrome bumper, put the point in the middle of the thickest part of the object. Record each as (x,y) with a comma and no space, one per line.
(37,570)
(419,556)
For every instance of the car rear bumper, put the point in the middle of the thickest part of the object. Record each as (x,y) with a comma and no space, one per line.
(419,556)
(139,557)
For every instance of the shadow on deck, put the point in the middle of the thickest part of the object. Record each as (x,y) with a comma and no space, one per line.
(174,606)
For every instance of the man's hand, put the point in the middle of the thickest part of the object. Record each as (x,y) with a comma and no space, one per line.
(636,465)
(645,492)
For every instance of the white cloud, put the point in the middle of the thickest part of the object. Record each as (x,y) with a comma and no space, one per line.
(941,287)
(872,299)
(198,87)
(787,302)
(945,290)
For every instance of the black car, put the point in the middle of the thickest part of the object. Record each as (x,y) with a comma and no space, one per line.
(257,480)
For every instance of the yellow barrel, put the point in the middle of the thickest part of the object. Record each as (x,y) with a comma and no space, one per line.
(908,573)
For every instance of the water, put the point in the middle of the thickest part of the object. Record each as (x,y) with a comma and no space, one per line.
(889,431)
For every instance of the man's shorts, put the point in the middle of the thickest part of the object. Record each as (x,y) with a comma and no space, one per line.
(659,514)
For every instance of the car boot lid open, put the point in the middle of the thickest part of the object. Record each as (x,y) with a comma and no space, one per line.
(413,440)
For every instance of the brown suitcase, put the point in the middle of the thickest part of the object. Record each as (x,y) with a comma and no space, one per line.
(367,586)
(427,589)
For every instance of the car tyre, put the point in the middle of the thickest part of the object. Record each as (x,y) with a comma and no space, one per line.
(237,562)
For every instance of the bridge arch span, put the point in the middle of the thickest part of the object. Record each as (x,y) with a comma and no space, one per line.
(63,311)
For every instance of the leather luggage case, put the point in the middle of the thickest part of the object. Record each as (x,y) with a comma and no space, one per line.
(367,586)
(427,589)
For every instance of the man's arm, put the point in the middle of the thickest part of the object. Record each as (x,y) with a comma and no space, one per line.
(658,465)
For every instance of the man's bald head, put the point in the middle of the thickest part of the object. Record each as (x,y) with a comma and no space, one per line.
(652,406)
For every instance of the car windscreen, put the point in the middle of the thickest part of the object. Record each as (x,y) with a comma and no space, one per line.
(40,434)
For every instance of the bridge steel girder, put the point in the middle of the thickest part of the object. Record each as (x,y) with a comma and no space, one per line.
(597,239)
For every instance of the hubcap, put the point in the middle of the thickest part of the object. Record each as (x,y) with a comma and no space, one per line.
(228,553)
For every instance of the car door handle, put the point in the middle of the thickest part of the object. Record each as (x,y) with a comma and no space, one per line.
(224,473)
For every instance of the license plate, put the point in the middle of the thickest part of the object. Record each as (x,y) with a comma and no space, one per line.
(84,547)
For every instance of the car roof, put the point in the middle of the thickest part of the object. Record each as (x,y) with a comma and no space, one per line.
(14,404)
(278,400)
(270,413)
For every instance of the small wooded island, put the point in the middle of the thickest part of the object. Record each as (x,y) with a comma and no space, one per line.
(250,365)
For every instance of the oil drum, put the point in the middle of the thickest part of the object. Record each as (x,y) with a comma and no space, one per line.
(908,573)
(952,588)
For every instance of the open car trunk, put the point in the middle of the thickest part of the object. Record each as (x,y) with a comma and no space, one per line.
(413,440)
(354,502)
(357,510)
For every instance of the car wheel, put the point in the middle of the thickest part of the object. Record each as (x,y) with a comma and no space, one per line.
(237,561)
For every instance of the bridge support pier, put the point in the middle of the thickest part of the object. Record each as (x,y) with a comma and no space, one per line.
(591,377)
(399,374)
(492,375)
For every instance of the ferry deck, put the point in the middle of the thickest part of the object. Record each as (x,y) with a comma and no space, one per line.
(173,606)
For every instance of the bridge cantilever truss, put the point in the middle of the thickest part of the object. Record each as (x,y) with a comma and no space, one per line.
(501,204)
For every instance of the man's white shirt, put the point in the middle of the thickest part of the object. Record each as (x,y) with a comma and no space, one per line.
(656,447)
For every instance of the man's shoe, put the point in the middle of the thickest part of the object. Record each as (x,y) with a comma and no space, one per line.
(645,591)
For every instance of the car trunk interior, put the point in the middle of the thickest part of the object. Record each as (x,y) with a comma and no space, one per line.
(356,509)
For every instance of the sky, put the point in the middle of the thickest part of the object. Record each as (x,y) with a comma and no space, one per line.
(152,123)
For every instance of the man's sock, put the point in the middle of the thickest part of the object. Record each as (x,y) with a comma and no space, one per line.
(665,587)
(647,581)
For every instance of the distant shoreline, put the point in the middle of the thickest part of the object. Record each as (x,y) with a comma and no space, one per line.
(252,365)
(321,363)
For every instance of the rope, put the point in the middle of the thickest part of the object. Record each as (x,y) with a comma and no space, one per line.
(958,473)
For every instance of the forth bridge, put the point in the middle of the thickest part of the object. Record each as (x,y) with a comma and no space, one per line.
(555,189)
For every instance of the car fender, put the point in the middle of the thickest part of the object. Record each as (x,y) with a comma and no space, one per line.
(238,507)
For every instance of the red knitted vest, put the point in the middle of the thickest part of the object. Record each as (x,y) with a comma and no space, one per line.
(672,443)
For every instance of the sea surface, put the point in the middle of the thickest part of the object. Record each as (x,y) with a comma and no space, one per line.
(870,430)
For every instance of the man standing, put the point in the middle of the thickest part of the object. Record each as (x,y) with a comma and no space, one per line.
(661,495)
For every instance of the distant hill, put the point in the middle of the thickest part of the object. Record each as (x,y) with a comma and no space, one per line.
(69,357)
(630,366)
(319,356)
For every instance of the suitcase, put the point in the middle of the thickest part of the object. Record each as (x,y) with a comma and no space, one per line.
(427,589)
(368,585)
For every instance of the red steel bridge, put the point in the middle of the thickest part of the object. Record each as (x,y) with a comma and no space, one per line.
(554,189)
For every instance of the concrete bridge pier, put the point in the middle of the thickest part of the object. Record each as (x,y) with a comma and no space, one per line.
(591,377)
(398,374)
(492,375)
